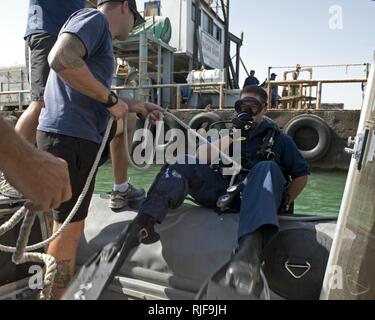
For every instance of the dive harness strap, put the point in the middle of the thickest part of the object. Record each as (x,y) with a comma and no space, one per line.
(264,153)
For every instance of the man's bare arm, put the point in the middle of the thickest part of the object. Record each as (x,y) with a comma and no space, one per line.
(67,60)
(296,187)
(39,176)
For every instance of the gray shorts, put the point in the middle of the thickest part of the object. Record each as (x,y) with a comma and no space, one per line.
(40,45)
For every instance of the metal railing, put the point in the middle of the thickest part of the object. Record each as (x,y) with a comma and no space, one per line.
(220,86)
(286,102)
(19,93)
(299,99)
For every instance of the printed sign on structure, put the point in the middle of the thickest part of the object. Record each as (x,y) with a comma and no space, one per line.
(211,51)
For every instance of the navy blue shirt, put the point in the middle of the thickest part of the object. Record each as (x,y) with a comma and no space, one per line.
(67,111)
(50,15)
(251,81)
(286,151)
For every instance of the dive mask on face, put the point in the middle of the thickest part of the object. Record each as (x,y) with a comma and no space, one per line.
(249,105)
(246,109)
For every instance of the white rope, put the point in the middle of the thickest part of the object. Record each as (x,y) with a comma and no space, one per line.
(20,257)
(147,126)
(200,137)
(9,225)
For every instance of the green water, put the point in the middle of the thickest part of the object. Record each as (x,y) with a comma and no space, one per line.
(321,196)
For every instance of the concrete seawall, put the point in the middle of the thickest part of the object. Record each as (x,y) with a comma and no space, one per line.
(342,123)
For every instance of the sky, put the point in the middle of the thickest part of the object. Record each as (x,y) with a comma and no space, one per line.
(276,33)
(285,33)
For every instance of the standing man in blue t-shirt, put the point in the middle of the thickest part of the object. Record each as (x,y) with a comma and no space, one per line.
(78,105)
(44,22)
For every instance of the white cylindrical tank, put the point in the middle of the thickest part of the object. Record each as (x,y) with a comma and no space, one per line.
(206,76)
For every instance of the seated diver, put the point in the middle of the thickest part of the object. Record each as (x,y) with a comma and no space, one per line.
(264,188)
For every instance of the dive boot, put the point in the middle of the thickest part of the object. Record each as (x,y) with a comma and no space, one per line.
(143,229)
(244,271)
(240,278)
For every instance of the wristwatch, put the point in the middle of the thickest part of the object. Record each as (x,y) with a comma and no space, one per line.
(112,100)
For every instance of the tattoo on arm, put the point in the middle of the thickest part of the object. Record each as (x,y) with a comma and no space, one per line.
(67,53)
(63,275)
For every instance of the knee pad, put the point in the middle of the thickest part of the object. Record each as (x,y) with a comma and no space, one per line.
(266,164)
(171,185)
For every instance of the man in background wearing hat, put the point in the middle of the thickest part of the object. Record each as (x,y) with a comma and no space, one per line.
(274,91)
(78,105)
(265,189)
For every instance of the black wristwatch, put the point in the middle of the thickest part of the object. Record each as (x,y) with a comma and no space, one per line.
(112,100)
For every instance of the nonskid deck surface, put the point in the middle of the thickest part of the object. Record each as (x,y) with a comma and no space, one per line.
(194,242)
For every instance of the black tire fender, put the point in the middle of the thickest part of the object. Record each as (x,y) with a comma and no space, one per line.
(205,117)
(319,126)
